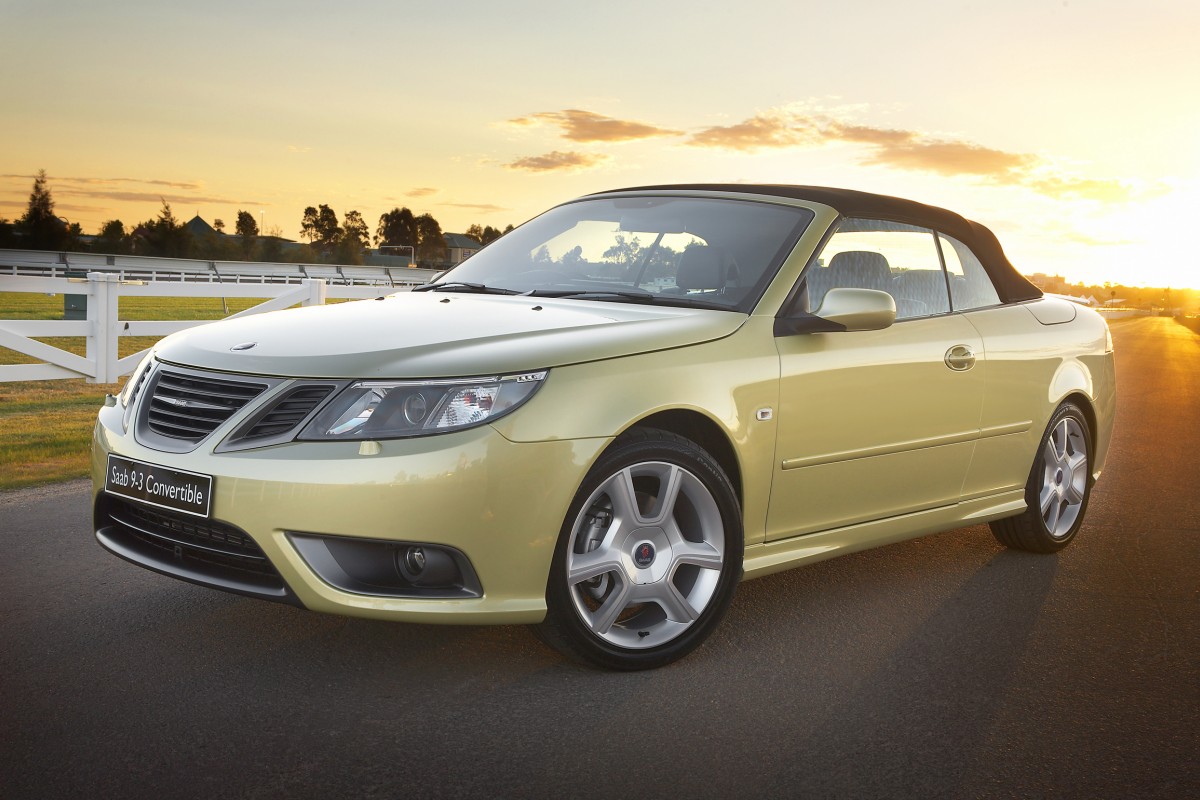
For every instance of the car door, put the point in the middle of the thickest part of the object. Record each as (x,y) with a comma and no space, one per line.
(875,424)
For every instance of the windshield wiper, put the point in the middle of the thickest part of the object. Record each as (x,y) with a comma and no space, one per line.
(636,297)
(463,286)
(585,294)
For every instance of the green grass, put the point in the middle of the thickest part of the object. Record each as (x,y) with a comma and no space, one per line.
(45,426)
(45,430)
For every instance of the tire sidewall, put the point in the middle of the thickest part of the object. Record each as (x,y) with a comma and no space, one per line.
(561,612)
(1034,486)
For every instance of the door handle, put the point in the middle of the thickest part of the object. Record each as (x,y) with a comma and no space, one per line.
(960,358)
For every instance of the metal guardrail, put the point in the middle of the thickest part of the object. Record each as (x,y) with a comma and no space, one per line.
(103,327)
(52,264)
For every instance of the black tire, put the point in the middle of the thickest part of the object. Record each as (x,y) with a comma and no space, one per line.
(1050,496)
(704,515)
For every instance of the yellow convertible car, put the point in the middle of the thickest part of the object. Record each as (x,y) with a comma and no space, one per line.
(604,420)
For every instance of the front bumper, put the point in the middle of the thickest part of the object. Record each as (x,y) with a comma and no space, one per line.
(500,503)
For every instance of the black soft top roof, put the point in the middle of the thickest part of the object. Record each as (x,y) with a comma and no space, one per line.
(1011,285)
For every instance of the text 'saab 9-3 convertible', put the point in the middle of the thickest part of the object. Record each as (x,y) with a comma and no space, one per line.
(607,418)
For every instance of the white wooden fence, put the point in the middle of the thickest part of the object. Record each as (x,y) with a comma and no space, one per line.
(103,326)
(53,264)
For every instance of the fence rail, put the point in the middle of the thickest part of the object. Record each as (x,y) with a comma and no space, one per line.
(103,327)
(51,264)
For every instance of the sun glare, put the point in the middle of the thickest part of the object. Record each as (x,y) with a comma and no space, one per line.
(1151,242)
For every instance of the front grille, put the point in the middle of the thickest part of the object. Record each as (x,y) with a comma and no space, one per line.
(204,540)
(188,407)
(288,411)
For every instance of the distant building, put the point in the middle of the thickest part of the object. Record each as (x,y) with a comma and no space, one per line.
(460,247)
(199,228)
(1048,283)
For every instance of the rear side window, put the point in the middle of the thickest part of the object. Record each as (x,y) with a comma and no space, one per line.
(970,286)
(891,257)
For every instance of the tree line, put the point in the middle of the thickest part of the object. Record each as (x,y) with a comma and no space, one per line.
(326,238)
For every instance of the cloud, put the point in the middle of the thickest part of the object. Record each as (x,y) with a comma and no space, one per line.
(587,126)
(903,149)
(1109,191)
(55,179)
(78,208)
(487,207)
(108,194)
(772,129)
(298,148)
(949,158)
(557,160)
(421,191)
(802,125)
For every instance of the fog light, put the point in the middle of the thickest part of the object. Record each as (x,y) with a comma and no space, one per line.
(414,561)
(428,567)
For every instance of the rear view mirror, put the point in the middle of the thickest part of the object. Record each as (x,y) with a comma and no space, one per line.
(647,223)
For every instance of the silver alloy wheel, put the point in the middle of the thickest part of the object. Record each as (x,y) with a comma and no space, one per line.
(1064,477)
(645,555)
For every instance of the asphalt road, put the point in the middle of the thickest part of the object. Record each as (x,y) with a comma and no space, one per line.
(943,667)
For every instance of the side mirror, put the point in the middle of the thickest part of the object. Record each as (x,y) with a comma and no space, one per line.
(843,310)
(858,309)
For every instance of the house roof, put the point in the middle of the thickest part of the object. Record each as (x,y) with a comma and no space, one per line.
(198,227)
(461,240)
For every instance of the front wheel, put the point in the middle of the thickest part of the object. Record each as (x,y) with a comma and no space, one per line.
(1056,495)
(648,557)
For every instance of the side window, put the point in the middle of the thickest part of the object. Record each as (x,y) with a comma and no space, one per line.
(899,259)
(970,286)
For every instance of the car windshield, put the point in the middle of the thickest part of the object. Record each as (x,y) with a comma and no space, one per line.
(684,251)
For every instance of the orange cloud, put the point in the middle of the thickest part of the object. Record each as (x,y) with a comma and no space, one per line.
(421,191)
(949,158)
(905,149)
(587,126)
(557,160)
(766,130)
(55,179)
(1109,191)
(108,194)
(889,146)
(486,207)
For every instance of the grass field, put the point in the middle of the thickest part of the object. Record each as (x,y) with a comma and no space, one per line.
(46,426)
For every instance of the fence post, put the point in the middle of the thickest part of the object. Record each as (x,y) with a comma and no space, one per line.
(316,292)
(104,292)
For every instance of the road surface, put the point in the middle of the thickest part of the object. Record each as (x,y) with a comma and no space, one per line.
(943,667)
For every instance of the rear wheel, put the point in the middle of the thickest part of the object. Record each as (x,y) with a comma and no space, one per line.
(1057,492)
(648,557)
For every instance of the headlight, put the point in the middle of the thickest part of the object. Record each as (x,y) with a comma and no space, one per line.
(396,409)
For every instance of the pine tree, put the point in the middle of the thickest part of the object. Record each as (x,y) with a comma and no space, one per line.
(40,227)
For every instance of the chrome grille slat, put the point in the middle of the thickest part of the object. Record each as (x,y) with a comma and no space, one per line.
(194,391)
(186,429)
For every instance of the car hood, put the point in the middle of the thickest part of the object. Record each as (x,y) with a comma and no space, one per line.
(440,335)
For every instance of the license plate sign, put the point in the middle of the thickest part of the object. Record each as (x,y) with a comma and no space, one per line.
(189,492)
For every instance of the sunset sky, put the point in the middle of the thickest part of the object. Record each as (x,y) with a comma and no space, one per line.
(1071,128)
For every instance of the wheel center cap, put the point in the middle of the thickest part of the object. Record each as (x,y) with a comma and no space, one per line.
(1058,477)
(643,555)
